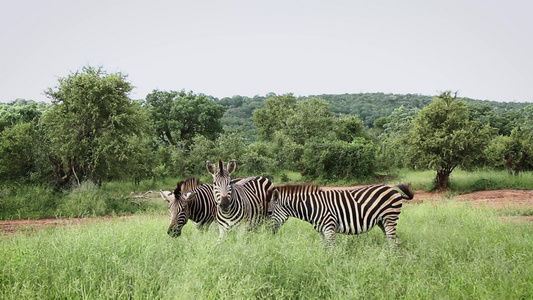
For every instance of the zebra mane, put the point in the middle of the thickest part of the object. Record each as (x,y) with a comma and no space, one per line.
(186,185)
(298,189)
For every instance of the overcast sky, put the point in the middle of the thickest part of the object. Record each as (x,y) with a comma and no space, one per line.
(483,49)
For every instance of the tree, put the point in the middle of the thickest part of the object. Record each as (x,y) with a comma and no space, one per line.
(179,116)
(443,138)
(510,152)
(274,115)
(18,151)
(310,119)
(19,111)
(348,128)
(90,123)
(202,149)
(393,143)
(230,146)
(286,152)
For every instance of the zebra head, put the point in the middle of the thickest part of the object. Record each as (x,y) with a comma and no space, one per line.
(179,206)
(222,182)
(273,199)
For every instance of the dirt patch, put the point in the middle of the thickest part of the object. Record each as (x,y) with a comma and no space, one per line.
(499,198)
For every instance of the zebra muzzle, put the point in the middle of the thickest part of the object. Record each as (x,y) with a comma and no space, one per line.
(173,231)
(224,202)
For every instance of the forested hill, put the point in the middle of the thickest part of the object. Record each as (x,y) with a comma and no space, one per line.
(368,106)
(371,106)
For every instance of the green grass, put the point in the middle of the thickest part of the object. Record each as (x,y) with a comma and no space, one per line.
(37,202)
(449,251)
(468,181)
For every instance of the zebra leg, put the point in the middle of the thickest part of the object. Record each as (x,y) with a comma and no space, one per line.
(328,235)
(388,226)
(221,233)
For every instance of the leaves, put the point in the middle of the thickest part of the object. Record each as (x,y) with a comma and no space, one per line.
(179,116)
(91,122)
(443,138)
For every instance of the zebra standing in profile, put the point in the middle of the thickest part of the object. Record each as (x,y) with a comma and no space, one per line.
(351,211)
(243,200)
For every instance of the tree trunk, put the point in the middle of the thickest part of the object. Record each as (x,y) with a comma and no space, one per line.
(169,137)
(509,162)
(521,163)
(442,180)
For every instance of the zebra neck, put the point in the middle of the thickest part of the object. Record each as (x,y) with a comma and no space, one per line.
(198,211)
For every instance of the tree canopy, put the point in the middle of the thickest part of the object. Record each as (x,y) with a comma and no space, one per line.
(179,116)
(443,138)
(90,124)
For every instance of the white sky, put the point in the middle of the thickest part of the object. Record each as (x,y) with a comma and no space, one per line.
(483,49)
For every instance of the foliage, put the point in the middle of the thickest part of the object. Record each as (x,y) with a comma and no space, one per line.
(17,151)
(201,150)
(179,116)
(19,112)
(511,152)
(274,115)
(230,146)
(310,119)
(334,160)
(257,159)
(286,152)
(443,138)
(90,123)
(238,116)
(348,128)
(393,142)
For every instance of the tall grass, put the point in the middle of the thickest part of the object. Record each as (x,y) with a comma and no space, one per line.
(469,181)
(449,251)
(88,200)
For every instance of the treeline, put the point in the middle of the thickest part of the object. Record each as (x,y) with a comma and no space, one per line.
(92,131)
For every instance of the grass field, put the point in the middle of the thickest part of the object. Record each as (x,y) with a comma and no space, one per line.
(449,251)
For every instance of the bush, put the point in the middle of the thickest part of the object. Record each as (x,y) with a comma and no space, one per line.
(336,160)
(84,201)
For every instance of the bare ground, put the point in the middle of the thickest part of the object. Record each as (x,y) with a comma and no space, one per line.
(494,199)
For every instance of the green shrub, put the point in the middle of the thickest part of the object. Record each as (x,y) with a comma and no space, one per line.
(335,160)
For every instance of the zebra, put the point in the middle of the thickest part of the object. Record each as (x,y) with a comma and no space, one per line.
(193,201)
(237,201)
(351,211)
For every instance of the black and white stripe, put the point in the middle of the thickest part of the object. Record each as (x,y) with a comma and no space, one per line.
(237,201)
(194,201)
(351,211)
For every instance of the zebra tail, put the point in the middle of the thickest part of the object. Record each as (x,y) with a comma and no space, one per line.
(408,193)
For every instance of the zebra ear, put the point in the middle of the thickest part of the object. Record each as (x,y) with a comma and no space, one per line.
(210,167)
(275,195)
(232,165)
